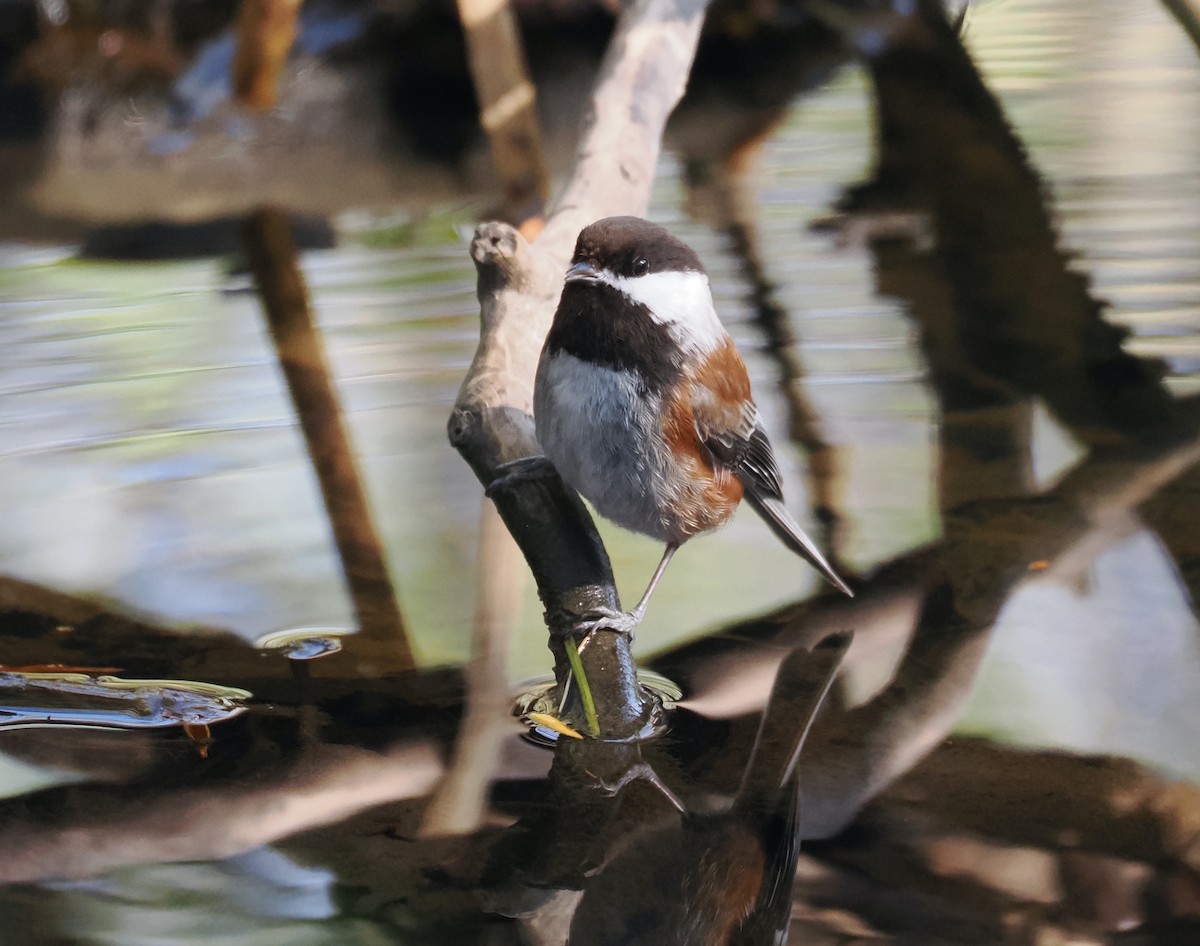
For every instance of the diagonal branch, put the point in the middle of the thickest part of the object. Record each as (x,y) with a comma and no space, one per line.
(640,81)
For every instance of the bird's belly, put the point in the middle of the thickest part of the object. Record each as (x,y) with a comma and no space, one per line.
(601,433)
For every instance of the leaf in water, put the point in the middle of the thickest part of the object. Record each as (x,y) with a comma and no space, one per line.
(304,643)
(80,699)
(554,723)
(200,736)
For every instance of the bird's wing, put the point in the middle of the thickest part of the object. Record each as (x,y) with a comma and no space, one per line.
(738,443)
(727,422)
(743,448)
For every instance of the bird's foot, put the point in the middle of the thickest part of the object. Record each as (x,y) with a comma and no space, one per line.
(515,472)
(598,619)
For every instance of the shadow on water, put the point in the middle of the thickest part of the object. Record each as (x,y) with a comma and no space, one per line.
(300,814)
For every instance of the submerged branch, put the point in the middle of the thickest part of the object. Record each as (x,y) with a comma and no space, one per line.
(272,256)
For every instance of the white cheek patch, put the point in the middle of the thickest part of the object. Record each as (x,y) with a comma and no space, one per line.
(676,299)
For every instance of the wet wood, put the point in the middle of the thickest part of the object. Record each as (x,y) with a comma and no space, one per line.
(643,76)
(507,109)
(265,31)
(272,257)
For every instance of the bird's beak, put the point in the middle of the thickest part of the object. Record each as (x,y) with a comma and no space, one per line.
(584,269)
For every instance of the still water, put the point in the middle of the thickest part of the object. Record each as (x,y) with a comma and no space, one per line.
(151,461)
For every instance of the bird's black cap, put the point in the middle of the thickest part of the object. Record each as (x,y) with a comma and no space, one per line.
(619,244)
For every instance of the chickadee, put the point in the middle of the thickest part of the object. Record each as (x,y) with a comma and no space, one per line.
(642,403)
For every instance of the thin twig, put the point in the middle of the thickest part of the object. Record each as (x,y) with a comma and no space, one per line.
(272,257)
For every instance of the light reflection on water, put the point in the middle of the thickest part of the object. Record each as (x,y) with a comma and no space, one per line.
(148,453)
(149,450)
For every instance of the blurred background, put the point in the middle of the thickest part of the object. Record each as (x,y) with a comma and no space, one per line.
(150,456)
(151,459)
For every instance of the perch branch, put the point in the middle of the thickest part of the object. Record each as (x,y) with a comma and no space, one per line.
(641,79)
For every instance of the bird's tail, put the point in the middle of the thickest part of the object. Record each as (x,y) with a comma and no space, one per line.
(775,515)
(801,685)
(770,791)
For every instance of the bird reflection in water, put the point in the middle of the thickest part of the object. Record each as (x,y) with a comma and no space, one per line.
(1003,322)
(660,870)
(721,878)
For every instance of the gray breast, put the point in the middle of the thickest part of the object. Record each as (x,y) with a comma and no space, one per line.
(595,427)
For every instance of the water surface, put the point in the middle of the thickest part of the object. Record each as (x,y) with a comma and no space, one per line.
(150,460)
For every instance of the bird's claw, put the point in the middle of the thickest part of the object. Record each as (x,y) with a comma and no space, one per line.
(606,619)
(514,472)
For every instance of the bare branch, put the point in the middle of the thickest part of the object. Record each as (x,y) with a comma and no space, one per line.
(640,81)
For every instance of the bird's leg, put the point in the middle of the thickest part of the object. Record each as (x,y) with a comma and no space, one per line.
(640,610)
(623,622)
(514,472)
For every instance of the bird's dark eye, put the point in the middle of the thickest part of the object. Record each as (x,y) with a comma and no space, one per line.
(641,266)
